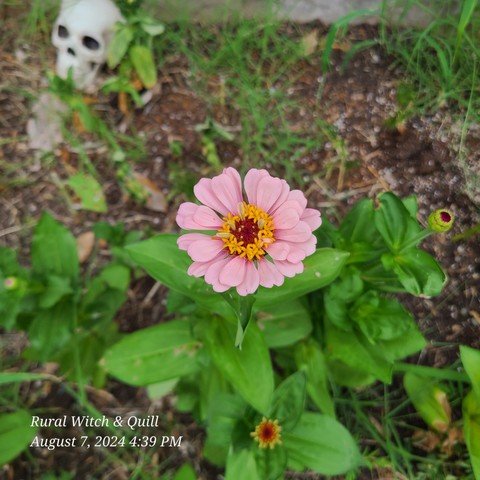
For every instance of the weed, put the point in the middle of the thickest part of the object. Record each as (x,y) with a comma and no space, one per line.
(244,70)
(441,58)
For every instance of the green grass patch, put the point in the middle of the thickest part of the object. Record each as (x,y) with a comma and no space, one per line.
(244,70)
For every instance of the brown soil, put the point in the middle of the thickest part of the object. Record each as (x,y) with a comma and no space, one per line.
(358,101)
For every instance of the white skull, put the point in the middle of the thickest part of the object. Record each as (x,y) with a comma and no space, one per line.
(81,35)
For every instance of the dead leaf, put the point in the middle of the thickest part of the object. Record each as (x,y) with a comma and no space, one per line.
(426,440)
(475,315)
(388,473)
(85,244)
(378,426)
(310,42)
(455,436)
(156,199)
(44,129)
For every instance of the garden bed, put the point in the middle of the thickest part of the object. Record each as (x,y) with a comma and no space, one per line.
(345,153)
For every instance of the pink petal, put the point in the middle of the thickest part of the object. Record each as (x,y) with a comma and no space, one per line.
(206,217)
(199,269)
(289,269)
(291,205)
(225,188)
(299,251)
(204,192)
(213,273)
(205,250)
(233,273)
(250,183)
(197,217)
(285,218)
(185,212)
(250,282)
(279,250)
(269,190)
(298,197)
(219,288)
(269,274)
(236,179)
(282,198)
(301,233)
(186,240)
(312,217)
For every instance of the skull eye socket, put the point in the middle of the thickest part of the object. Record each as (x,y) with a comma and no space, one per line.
(62,31)
(90,43)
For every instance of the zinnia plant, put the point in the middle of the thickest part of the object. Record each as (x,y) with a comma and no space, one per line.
(257,241)
(332,318)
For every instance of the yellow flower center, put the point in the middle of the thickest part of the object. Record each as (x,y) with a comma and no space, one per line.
(267,433)
(248,233)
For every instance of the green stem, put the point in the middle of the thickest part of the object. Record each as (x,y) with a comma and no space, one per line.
(467,233)
(242,306)
(78,369)
(442,374)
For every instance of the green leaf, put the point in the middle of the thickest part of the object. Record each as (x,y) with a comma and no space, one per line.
(249,370)
(395,223)
(271,463)
(89,191)
(142,60)
(8,262)
(380,318)
(20,377)
(429,399)
(417,271)
(119,44)
(339,294)
(284,324)
(185,472)
(471,429)
(288,401)
(11,297)
(411,204)
(16,433)
(358,234)
(54,250)
(348,376)
(322,444)
(211,384)
(55,289)
(358,225)
(224,413)
(164,261)
(321,268)
(153,354)
(468,10)
(241,466)
(352,349)
(471,362)
(309,359)
(51,329)
(152,27)
(89,347)
(410,342)
(116,276)
(105,295)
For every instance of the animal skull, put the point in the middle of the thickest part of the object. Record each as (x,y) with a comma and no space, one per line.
(81,35)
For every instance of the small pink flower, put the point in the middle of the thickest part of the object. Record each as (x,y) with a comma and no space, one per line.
(258,241)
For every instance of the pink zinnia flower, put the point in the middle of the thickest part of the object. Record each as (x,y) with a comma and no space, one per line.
(258,241)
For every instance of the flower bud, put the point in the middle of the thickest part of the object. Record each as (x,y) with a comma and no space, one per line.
(440,220)
(11,283)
